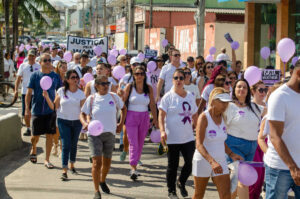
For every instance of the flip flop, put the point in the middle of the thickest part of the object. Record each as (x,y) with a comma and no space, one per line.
(33,158)
(49,165)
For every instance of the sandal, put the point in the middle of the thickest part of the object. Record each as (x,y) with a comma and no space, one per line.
(33,158)
(49,165)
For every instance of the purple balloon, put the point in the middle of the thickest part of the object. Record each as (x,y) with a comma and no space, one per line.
(286,49)
(114,52)
(87,77)
(247,174)
(123,51)
(112,60)
(118,72)
(151,66)
(164,43)
(265,52)
(27,47)
(46,83)
(141,56)
(21,48)
(155,136)
(209,58)
(212,50)
(68,56)
(294,60)
(252,75)
(235,45)
(97,50)
(114,47)
(95,128)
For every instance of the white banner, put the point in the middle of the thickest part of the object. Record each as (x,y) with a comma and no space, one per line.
(80,44)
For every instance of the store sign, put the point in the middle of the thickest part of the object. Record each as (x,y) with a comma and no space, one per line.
(270,77)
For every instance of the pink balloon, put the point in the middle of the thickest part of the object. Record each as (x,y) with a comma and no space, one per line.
(294,60)
(97,50)
(27,47)
(209,58)
(114,47)
(95,128)
(87,77)
(118,72)
(114,52)
(235,45)
(46,83)
(212,50)
(68,56)
(21,48)
(286,49)
(155,136)
(141,56)
(123,51)
(247,174)
(164,43)
(265,52)
(252,75)
(112,60)
(151,66)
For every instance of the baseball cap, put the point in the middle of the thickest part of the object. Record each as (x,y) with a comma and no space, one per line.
(32,52)
(135,60)
(224,97)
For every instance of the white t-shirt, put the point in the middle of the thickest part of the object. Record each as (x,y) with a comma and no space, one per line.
(194,75)
(154,76)
(241,122)
(206,92)
(104,109)
(192,88)
(178,121)
(128,78)
(138,102)
(9,65)
(78,69)
(71,65)
(56,58)
(24,71)
(283,106)
(166,74)
(112,81)
(69,104)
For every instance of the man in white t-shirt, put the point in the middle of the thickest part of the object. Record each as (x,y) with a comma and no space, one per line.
(283,155)
(75,62)
(84,60)
(166,74)
(54,56)
(24,73)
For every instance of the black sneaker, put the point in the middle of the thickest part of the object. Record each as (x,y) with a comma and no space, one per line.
(133,175)
(104,187)
(64,177)
(74,171)
(27,133)
(97,195)
(121,147)
(172,195)
(182,189)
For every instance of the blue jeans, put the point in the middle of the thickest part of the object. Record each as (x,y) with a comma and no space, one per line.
(69,133)
(278,183)
(242,147)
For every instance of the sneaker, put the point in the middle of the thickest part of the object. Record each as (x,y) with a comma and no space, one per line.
(172,195)
(97,195)
(160,150)
(27,133)
(121,147)
(104,187)
(74,171)
(123,156)
(182,189)
(140,163)
(64,177)
(133,175)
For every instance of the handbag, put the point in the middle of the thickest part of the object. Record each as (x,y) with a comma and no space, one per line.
(6,74)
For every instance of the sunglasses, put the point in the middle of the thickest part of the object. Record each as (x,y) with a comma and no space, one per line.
(135,64)
(159,60)
(74,77)
(141,74)
(200,71)
(187,73)
(209,67)
(47,60)
(232,78)
(262,90)
(199,64)
(104,83)
(221,79)
(181,78)
(228,83)
(177,55)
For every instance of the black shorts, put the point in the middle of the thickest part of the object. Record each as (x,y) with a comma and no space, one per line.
(43,124)
(23,104)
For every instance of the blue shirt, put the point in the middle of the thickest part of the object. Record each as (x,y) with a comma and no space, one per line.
(39,104)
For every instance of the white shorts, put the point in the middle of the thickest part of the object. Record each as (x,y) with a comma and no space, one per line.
(201,168)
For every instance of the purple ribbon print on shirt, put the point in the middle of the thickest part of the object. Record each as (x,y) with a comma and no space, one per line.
(242,113)
(212,133)
(111,103)
(224,130)
(186,113)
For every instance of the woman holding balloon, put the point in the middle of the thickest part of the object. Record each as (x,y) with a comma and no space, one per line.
(102,106)
(68,102)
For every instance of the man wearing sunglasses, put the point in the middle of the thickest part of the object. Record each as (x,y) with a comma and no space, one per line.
(166,74)
(43,118)
(24,73)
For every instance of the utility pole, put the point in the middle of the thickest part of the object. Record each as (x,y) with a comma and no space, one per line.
(131,25)
(83,18)
(199,17)
(97,20)
(90,18)
(150,19)
(104,18)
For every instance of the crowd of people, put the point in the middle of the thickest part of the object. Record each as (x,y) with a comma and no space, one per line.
(205,111)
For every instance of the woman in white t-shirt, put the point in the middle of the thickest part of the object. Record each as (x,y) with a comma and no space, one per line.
(189,86)
(9,68)
(177,116)
(242,119)
(102,106)
(209,158)
(68,101)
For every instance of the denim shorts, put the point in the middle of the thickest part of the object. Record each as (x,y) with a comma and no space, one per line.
(242,147)
(278,183)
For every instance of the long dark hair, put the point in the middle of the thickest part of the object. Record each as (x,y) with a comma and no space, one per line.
(66,84)
(145,86)
(248,97)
